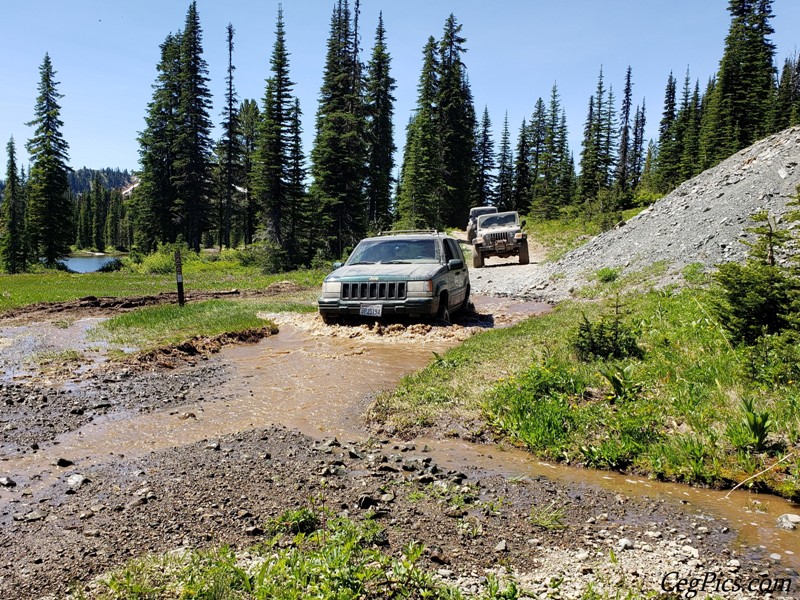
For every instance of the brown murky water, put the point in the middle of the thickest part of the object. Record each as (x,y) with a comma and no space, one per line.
(318,385)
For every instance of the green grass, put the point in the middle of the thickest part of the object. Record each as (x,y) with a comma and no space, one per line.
(681,416)
(337,558)
(199,275)
(157,326)
(560,236)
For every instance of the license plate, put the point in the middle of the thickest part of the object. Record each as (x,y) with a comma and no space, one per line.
(371,310)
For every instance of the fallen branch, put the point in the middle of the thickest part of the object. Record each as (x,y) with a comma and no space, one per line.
(738,485)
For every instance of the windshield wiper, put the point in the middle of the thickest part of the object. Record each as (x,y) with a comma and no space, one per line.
(395,262)
(362,262)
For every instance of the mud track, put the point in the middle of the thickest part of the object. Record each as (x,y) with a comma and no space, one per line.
(194,451)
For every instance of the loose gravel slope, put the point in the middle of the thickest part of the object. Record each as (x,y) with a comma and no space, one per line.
(702,221)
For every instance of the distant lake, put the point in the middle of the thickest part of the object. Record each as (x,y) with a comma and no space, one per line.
(85,264)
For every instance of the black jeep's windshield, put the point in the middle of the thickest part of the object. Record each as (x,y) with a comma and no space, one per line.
(394,251)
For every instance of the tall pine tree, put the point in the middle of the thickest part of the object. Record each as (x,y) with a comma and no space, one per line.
(13,236)
(193,143)
(485,178)
(339,153)
(50,207)
(505,169)
(380,132)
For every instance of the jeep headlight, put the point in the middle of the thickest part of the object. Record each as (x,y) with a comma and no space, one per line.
(519,235)
(420,289)
(331,289)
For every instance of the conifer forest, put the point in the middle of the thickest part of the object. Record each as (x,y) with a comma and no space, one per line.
(256,185)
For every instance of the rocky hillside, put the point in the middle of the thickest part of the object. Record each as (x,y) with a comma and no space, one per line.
(702,221)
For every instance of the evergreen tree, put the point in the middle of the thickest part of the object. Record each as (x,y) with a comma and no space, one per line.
(249,123)
(154,199)
(13,237)
(637,153)
(271,169)
(99,208)
(669,142)
(485,178)
(50,209)
(740,106)
(457,124)
(505,170)
(380,132)
(420,190)
(193,144)
(113,231)
(588,180)
(537,134)
(230,155)
(691,118)
(622,178)
(522,173)
(301,234)
(338,156)
(787,98)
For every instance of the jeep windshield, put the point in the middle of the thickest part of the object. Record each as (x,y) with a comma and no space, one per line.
(498,220)
(394,251)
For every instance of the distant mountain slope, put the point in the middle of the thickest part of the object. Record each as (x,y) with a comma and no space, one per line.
(702,221)
(80,180)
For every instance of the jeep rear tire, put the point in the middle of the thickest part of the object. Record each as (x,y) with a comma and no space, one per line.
(524,257)
(477,258)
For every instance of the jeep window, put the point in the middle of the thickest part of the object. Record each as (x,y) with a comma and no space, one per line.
(452,250)
(498,220)
(394,251)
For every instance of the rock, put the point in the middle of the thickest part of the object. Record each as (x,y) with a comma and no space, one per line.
(625,544)
(690,551)
(63,462)
(387,497)
(253,530)
(7,483)
(502,546)
(734,564)
(788,521)
(366,501)
(76,481)
(582,556)
(775,556)
(446,573)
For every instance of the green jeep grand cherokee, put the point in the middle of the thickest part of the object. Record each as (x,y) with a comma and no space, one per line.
(413,273)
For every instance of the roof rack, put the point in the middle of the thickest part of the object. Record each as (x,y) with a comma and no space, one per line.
(407,231)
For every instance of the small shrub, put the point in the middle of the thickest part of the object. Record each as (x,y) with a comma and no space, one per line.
(758,424)
(623,387)
(605,339)
(774,360)
(301,520)
(608,274)
(110,266)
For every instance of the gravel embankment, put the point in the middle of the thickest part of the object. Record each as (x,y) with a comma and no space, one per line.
(702,221)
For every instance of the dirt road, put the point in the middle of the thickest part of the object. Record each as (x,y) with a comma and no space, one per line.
(111,462)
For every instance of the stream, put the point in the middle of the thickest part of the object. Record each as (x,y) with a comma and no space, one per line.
(321,386)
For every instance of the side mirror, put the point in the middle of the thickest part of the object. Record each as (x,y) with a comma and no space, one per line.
(337,264)
(454,264)
(523,222)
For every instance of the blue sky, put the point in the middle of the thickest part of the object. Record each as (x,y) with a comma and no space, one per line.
(105,54)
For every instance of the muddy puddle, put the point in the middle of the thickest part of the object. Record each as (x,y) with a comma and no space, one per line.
(321,386)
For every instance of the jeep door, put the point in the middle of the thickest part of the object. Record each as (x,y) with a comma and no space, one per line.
(457,279)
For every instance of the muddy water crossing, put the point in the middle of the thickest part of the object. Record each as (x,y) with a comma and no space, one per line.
(320,385)
(752,516)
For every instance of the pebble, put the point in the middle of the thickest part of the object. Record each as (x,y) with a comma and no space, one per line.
(7,483)
(625,544)
(788,521)
(502,546)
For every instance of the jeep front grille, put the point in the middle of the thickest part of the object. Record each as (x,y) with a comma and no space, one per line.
(493,238)
(374,290)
